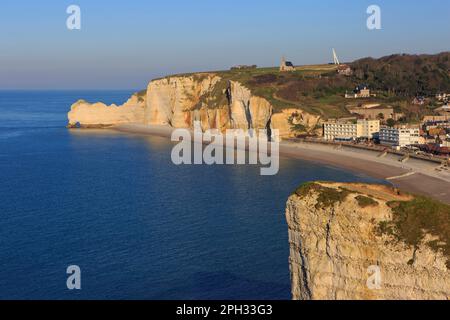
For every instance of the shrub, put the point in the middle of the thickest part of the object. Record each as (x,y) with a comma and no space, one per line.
(364,201)
(327,197)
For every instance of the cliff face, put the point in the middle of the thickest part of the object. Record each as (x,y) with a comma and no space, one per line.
(180,100)
(246,110)
(173,101)
(288,119)
(340,247)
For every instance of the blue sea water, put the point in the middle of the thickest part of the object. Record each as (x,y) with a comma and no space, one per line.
(138,226)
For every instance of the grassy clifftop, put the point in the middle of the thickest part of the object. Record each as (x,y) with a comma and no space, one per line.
(421,216)
(319,90)
(316,89)
(415,220)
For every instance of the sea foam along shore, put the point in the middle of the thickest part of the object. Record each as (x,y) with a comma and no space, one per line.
(414,176)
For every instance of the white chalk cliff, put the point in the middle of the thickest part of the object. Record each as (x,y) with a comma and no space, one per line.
(337,250)
(99,114)
(178,101)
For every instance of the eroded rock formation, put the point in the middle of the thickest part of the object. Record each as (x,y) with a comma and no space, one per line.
(98,114)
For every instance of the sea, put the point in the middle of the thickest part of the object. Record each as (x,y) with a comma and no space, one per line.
(136,225)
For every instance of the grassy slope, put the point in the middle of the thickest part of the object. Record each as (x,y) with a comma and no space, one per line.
(272,85)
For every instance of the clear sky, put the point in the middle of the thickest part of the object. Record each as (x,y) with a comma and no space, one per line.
(124,44)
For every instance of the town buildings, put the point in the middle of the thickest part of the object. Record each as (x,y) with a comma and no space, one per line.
(430,125)
(437,130)
(443,97)
(345,70)
(442,118)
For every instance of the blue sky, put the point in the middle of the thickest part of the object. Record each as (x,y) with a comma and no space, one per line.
(124,44)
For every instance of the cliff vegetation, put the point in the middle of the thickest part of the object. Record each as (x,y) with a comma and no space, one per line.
(415,219)
(326,196)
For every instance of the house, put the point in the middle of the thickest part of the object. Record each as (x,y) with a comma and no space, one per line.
(286,66)
(446,143)
(444,97)
(427,139)
(345,70)
(360,92)
(418,101)
(444,110)
(443,118)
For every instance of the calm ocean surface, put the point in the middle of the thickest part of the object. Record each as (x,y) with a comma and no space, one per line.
(138,226)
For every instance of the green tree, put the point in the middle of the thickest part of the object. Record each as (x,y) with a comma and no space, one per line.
(390,122)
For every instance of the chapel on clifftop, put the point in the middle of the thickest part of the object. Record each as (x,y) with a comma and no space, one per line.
(286,66)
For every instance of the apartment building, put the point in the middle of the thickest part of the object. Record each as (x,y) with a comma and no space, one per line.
(338,130)
(367,128)
(399,136)
(341,130)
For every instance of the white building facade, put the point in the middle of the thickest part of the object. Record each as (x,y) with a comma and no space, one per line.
(368,128)
(340,131)
(336,130)
(399,137)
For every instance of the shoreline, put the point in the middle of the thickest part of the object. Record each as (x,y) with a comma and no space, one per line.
(414,176)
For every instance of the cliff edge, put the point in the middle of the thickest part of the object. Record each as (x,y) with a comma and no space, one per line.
(360,241)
